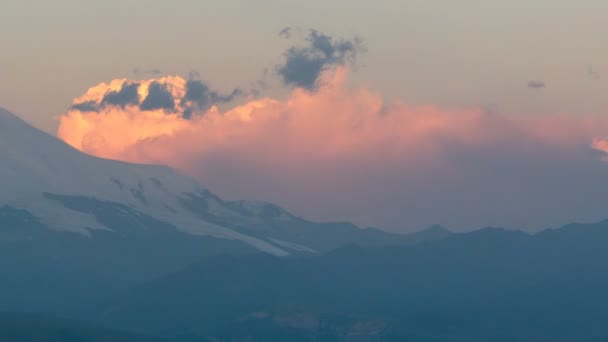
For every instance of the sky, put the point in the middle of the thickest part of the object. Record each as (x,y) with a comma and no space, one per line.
(466,114)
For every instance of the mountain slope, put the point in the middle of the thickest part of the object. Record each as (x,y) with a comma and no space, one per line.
(67,190)
(35,164)
(76,229)
(489,285)
(37,328)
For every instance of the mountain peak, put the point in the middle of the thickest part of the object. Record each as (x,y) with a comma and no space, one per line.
(63,187)
(35,162)
(8,120)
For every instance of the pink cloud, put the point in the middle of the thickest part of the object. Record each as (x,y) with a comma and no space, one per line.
(343,153)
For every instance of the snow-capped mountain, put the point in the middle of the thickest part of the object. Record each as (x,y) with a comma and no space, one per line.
(69,191)
(37,168)
(77,229)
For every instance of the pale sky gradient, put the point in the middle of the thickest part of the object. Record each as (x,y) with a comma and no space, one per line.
(515,132)
(449,53)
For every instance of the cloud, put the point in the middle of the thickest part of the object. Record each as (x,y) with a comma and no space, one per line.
(127,95)
(304,65)
(286,32)
(535,84)
(171,95)
(159,97)
(601,145)
(344,153)
(200,98)
(87,106)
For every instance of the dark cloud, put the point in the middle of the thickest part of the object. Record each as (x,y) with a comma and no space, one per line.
(194,75)
(535,84)
(200,97)
(256,87)
(286,32)
(158,97)
(304,64)
(127,95)
(197,99)
(87,106)
(143,72)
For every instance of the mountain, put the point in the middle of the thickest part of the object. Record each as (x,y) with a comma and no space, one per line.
(488,285)
(142,248)
(69,191)
(37,328)
(76,229)
(49,179)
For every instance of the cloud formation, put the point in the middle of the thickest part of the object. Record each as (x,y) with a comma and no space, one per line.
(199,98)
(601,145)
(159,97)
(87,106)
(536,84)
(166,94)
(286,32)
(127,95)
(303,65)
(344,153)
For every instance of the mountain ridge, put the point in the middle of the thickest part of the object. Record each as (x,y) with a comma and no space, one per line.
(73,220)
(487,285)
(46,176)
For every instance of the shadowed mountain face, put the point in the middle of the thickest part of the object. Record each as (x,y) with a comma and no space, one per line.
(37,328)
(61,272)
(490,285)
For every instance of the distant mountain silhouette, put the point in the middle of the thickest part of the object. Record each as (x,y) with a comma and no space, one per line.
(37,328)
(488,285)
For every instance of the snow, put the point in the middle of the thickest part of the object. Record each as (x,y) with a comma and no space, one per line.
(33,162)
(293,246)
(256,208)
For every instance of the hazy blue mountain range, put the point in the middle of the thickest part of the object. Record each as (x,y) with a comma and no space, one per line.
(38,328)
(489,285)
